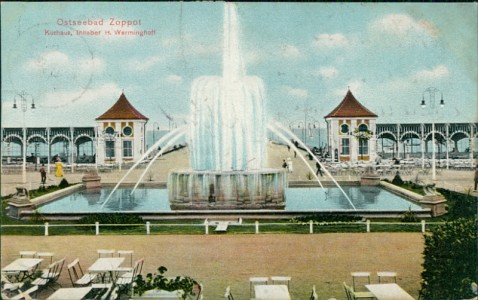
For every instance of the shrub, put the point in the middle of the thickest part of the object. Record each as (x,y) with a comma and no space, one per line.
(450,258)
(460,205)
(64,183)
(112,218)
(409,216)
(160,281)
(397,180)
(326,218)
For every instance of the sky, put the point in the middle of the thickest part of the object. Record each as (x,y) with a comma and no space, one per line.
(307,54)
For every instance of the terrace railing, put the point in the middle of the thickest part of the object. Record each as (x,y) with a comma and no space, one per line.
(257,227)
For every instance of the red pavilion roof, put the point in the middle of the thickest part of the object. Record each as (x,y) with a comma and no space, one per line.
(122,110)
(350,107)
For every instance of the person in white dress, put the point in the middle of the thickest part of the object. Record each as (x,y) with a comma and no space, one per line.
(290,165)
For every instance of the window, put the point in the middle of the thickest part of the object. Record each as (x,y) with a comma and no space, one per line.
(127,131)
(363,147)
(344,128)
(345,147)
(110,130)
(127,148)
(110,149)
(363,127)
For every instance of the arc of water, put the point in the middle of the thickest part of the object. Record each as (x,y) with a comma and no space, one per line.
(315,158)
(151,149)
(285,139)
(163,149)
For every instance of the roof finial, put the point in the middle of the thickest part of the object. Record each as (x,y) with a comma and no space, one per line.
(122,91)
(348,87)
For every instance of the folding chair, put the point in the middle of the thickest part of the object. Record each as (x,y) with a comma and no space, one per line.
(77,277)
(228,294)
(313,295)
(50,276)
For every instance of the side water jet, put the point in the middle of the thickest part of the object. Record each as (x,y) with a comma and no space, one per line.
(148,152)
(278,125)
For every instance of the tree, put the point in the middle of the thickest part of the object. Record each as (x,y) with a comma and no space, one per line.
(450,261)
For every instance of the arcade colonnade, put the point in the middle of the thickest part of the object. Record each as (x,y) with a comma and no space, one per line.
(414,141)
(36,145)
(78,145)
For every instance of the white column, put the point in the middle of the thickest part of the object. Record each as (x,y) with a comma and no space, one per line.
(422,142)
(24,165)
(72,147)
(433,152)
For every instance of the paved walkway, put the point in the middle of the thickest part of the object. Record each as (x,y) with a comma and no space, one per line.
(457,180)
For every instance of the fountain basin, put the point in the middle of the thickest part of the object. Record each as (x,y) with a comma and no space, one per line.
(219,190)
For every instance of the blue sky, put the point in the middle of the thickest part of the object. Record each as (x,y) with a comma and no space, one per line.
(307,54)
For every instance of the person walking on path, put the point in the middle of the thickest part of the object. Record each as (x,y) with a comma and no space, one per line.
(319,169)
(290,166)
(43,174)
(476,177)
(284,164)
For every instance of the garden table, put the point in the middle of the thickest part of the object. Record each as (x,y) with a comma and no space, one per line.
(24,267)
(272,292)
(106,265)
(70,293)
(388,291)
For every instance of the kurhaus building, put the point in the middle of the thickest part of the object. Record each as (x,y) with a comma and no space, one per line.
(121,133)
(350,131)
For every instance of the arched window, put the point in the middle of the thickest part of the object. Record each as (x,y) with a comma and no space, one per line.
(363,127)
(344,128)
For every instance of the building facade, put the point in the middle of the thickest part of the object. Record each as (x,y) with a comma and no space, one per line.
(121,134)
(350,131)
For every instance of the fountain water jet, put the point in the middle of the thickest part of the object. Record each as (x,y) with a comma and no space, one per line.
(227,142)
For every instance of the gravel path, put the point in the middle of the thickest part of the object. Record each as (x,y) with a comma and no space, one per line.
(218,261)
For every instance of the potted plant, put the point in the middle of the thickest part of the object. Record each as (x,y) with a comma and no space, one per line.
(158,281)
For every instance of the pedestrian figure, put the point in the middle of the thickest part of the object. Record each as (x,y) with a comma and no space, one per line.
(288,147)
(319,169)
(284,164)
(43,174)
(476,177)
(290,165)
(59,168)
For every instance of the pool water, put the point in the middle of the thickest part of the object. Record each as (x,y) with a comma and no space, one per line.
(297,199)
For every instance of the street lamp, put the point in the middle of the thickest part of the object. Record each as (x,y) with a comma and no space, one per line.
(304,134)
(155,126)
(23,98)
(431,94)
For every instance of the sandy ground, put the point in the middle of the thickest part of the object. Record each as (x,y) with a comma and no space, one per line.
(218,261)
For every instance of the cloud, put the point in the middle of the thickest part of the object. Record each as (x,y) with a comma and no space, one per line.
(174,79)
(327,72)
(404,27)
(54,62)
(144,64)
(290,51)
(296,93)
(78,98)
(254,57)
(438,72)
(48,61)
(326,40)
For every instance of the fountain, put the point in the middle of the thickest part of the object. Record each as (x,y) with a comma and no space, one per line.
(227,139)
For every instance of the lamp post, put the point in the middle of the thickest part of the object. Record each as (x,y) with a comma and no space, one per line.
(155,126)
(23,98)
(431,91)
